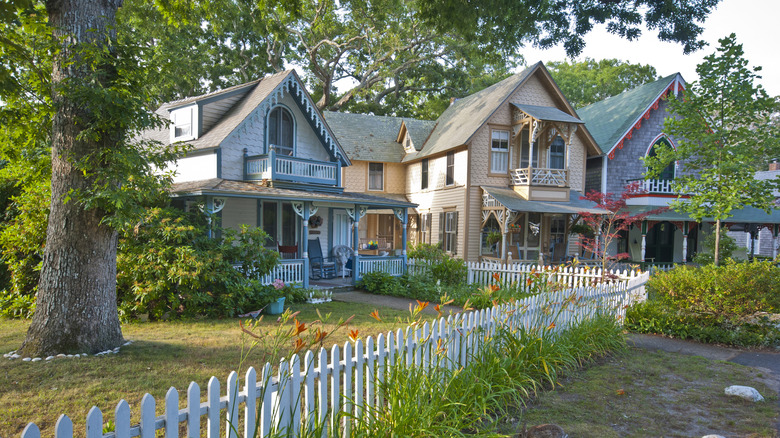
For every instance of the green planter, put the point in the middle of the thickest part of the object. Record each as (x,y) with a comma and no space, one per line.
(275,308)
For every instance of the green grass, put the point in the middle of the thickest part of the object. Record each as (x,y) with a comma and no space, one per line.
(163,354)
(650,394)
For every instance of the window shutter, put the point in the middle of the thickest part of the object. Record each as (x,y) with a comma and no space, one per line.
(428,231)
(455,234)
(442,218)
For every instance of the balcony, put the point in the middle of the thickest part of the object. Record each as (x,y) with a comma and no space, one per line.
(655,186)
(540,177)
(276,167)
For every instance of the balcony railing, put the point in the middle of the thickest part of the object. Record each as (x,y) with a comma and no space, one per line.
(656,186)
(540,177)
(278,167)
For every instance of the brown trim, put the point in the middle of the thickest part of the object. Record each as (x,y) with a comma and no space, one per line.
(467,204)
(437,154)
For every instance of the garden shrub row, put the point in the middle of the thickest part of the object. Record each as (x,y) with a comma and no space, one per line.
(722,304)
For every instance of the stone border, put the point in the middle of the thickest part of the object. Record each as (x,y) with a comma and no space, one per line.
(12,355)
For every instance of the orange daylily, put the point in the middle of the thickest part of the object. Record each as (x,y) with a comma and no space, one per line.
(494,287)
(353,335)
(300,327)
(551,326)
(320,336)
(437,308)
(422,304)
(496,276)
(298,346)
(375,315)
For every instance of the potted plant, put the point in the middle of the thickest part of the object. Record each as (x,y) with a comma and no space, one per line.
(276,306)
(372,244)
(493,237)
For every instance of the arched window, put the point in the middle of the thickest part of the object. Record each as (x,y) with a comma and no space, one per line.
(281,130)
(668,173)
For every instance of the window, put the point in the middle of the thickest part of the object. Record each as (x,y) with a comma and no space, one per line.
(557,154)
(526,150)
(281,128)
(448,231)
(499,152)
(182,123)
(450,169)
(408,142)
(425,228)
(375,176)
(668,173)
(424,183)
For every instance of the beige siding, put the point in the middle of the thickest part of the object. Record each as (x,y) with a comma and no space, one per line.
(239,211)
(437,201)
(355,178)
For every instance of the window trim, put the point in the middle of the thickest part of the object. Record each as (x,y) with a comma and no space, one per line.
(176,115)
(449,177)
(549,154)
(294,128)
(658,139)
(450,237)
(494,150)
(368,185)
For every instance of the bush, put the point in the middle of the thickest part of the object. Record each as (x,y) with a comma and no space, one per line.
(726,248)
(712,304)
(168,267)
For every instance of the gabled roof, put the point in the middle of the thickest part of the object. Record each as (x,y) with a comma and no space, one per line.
(547,113)
(266,91)
(513,201)
(373,138)
(614,118)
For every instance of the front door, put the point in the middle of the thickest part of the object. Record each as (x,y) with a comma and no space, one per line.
(660,243)
(342,228)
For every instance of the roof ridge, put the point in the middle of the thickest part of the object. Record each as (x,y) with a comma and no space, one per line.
(223,90)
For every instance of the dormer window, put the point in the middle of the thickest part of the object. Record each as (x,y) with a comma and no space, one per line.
(281,130)
(183,123)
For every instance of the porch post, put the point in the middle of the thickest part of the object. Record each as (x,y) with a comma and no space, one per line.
(774,241)
(644,240)
(272,161)
(209,209)
(356,246)
(305,243)
(685,242)
(503,245)
(338,172)
(404,236)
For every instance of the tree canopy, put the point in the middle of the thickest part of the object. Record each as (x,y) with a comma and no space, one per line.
(590,81)
(722,122)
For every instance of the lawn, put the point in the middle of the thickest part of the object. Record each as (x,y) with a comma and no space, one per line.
(650,394)
(163,354)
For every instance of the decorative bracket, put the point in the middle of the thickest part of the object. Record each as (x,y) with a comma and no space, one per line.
(298,208)
(399,213)
(217,205)
(356,213)
(313,209)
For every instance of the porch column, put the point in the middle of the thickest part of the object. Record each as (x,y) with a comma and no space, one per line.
(685,242)
(774,241)
(305,243)
(209,209)
(355,245)
(272,161)
(644,241)
(404,235)
(503,244)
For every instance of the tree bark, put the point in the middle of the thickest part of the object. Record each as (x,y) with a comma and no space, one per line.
(76,308)
(717,242)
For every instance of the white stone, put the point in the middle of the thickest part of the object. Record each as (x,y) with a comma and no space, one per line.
(128,343)
(61,355)
(70,356)
(77,356)
(50,358)
(713,436)
(15,356)
(746,392)
(37,359)
(26,359)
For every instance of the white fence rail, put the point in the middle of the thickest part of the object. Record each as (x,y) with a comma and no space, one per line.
(539,176)
(332,388)
(391,265)
(484,273)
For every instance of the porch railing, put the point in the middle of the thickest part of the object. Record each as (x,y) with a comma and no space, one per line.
(283,167)
(392,265)
(540,177)
(289,271)
(656,186)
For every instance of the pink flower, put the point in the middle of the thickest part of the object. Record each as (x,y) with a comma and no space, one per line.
(278,284)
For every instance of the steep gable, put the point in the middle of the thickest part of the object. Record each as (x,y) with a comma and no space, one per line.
(375,138)
(613,119)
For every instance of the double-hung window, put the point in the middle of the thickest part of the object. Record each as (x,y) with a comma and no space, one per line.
(557,153)
(281,129)
(499,151)
(450,179)
(376,176)
(425,228)
(448,231)
(424,183)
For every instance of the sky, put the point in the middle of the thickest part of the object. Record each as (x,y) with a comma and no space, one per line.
(755,22)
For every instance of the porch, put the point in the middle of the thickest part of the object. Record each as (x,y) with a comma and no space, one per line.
(320,235)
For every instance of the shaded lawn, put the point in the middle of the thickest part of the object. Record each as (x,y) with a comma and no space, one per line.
(653,394)
(163,354)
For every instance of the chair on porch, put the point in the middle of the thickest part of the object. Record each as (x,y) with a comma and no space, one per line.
(288,251)
(321,267)
(342,254)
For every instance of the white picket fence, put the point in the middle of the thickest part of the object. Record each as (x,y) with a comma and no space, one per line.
(289,271)
(484,273)
(331,389)
(390,264)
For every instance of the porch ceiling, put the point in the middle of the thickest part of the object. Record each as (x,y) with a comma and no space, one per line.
(246,189)
(513,201)
(748,215)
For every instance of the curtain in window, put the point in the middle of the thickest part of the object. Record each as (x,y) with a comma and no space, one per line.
(375,176)
(280,130)
(499,152)
(525,150)
(557,153)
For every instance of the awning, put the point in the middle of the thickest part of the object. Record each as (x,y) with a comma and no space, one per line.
(547,113)
(745,215)
(514,202)
(246,189)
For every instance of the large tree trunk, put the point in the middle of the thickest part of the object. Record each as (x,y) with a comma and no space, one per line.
(717,242)
(76,305)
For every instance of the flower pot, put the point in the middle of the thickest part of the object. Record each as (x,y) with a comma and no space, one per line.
(275,308)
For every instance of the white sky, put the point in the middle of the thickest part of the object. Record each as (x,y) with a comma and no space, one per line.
(755,22)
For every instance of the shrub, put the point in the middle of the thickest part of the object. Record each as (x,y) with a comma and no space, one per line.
(168,267)
(727,247)
(712,304)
